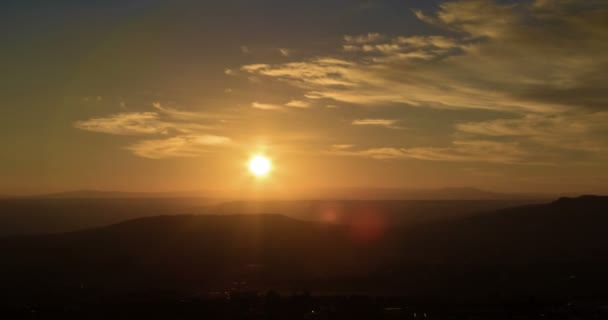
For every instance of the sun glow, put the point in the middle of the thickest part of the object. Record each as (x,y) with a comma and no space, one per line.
(260,166)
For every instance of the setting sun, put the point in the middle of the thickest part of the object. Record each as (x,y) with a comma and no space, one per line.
(260,166)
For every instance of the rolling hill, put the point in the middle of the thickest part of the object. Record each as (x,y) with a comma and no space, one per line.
(557,248)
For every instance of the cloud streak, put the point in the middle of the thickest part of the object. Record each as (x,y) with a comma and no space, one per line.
(184,146)
(386,123)
(540,68)
(578,131)
(459,151)
(298,104)
(266,106)
(135,123)
(188,137)
(500,57)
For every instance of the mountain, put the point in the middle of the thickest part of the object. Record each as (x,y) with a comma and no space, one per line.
(187,250)
(59,214)
(565,230)
(96,194)
(558,249)
(454,193)
(388,212)
(53,215)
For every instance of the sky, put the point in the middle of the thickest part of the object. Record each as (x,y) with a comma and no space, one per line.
(162,96)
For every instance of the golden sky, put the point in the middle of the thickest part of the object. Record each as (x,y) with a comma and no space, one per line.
(159,96)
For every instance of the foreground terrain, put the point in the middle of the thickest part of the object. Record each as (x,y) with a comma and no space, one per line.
(532,256)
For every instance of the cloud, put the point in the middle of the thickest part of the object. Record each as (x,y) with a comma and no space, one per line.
(285,52)
(298,104)
(135,123)
(266,106)
(342,146)
(538,67)
(537,71)
(178,147)
(254,67)
(140,123)
(387,123)
(188,137)
(363,39)
(364,84)
(459,151)
(577,131)
(410,48)
(190,115)
(539,57)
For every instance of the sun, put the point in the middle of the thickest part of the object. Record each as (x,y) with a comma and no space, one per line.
(260,166)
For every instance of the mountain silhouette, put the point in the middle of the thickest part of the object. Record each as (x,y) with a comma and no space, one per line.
(566,230)
(557,248)
(53,215)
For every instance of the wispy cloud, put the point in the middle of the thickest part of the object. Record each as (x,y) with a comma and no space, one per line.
(342,146)
(480,67)
(364,38)
(135,123)
(298,104)
(191,115)
(188,133)
(577,131)
(386,123)
(539,67)
(459,151)
(178,147)
(266,106)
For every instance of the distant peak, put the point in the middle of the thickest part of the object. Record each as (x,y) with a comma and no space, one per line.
(582,200)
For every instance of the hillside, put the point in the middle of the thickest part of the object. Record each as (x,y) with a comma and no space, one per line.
(557,248)
(53,215)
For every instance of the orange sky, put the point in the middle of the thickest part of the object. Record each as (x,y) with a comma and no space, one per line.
(143,96)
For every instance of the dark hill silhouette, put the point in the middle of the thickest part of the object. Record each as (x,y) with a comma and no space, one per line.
(391,212)
(187,250)
(554,249)
(58,214)
(453,193)
(569,229)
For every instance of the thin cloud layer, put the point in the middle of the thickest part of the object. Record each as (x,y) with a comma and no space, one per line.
(266,106)
(298,104)
(535,72)
(178,147)
(189,141)
(364,38)
(535,57)
(190,115)
(386,123)
(580,131)
(135,123)
(541,66)
(459,151)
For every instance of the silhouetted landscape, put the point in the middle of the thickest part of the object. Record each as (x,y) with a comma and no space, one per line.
(78,210)
(531,256)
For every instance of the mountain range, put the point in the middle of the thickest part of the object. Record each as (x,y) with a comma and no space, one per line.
(553,249)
